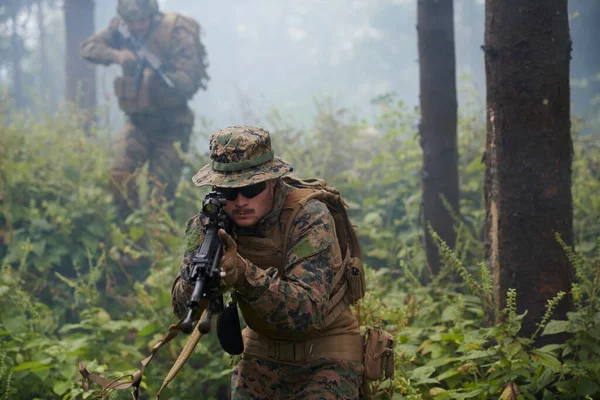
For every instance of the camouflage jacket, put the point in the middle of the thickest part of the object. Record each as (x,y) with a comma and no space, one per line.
(182,54)
(296,301)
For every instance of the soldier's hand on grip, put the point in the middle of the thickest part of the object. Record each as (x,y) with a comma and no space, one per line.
(127,60)
(232,264)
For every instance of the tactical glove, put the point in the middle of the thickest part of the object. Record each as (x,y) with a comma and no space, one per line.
(127,60)
(232,263)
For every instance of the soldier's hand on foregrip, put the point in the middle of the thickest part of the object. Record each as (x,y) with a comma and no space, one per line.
(232,264)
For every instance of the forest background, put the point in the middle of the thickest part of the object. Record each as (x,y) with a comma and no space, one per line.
(337,83)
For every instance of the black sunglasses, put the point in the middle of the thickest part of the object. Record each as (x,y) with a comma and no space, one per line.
(248,192)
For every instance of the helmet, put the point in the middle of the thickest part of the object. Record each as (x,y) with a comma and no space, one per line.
(136,10)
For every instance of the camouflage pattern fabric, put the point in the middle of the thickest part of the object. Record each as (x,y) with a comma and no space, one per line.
(240,155)
(255,379)
(297,303)
(293,302)
(183,55)
(137,143)
(150,131)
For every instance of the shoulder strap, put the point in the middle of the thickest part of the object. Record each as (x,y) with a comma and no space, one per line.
(166,26)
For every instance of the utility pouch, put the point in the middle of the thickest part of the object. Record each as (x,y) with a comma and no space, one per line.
(133,96)
(229,330)
(125,91)
(379,354)
(355,278)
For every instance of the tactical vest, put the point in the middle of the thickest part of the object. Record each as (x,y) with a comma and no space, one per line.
(133,99)
(339,338)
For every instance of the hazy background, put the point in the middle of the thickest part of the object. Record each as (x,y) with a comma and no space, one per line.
(287,55)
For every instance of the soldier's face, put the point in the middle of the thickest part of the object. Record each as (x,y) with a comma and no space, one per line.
(139,28)
(247,212)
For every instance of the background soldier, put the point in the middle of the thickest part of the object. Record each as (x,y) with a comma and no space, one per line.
(163,63)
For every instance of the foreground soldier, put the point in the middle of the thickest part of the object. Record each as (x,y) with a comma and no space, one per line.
(295,346)
(154,99)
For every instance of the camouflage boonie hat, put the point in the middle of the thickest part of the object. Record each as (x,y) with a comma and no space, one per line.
(240,155)
(136,10)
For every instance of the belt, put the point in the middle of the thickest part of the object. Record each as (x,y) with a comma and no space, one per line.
(340,347)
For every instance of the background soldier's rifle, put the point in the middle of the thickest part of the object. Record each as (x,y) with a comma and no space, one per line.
(145,58)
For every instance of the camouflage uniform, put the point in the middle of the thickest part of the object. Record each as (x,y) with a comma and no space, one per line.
(157,116)
(292,303)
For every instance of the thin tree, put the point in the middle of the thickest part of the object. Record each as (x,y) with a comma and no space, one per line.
(81,77)
(47,86)
(437,69)
(528,152)
(17,47)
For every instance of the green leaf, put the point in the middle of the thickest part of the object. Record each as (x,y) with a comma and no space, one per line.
(451,313)
(512,349)
(467,395)
(545,378)
(32,365)
(547,360)
(447,374)
(421,373)
(61,387)
(135,232)
(147,330)
(586,387)
(557,326)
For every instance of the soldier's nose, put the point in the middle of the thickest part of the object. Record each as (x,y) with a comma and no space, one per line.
(240,200)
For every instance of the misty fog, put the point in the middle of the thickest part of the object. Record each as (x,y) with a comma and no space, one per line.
(284,54)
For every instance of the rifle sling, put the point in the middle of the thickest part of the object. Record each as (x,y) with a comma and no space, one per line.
(133,380)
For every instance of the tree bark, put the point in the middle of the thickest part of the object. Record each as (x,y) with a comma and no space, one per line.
(80,75)
(528,152)
(16,48)
(437,69)
(47,87)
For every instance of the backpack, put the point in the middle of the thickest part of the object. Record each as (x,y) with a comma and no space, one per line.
(353,287)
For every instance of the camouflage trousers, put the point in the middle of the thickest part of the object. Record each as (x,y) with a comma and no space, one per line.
(148,138)
(322,379)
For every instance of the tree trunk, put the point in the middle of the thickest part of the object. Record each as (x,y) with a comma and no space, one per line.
(528,152)
(437,68)
(80,75)
(47,87)
(16,48)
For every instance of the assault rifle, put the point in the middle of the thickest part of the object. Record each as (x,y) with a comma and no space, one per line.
(206,275)
(145,58)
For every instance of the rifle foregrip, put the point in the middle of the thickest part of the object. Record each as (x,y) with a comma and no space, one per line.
(188,324)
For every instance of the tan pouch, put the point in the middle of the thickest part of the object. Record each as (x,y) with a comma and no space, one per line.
(355,277)
(126,93)
(130,99)
(379,354)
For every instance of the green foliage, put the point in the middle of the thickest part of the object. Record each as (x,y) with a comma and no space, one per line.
(67,295)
